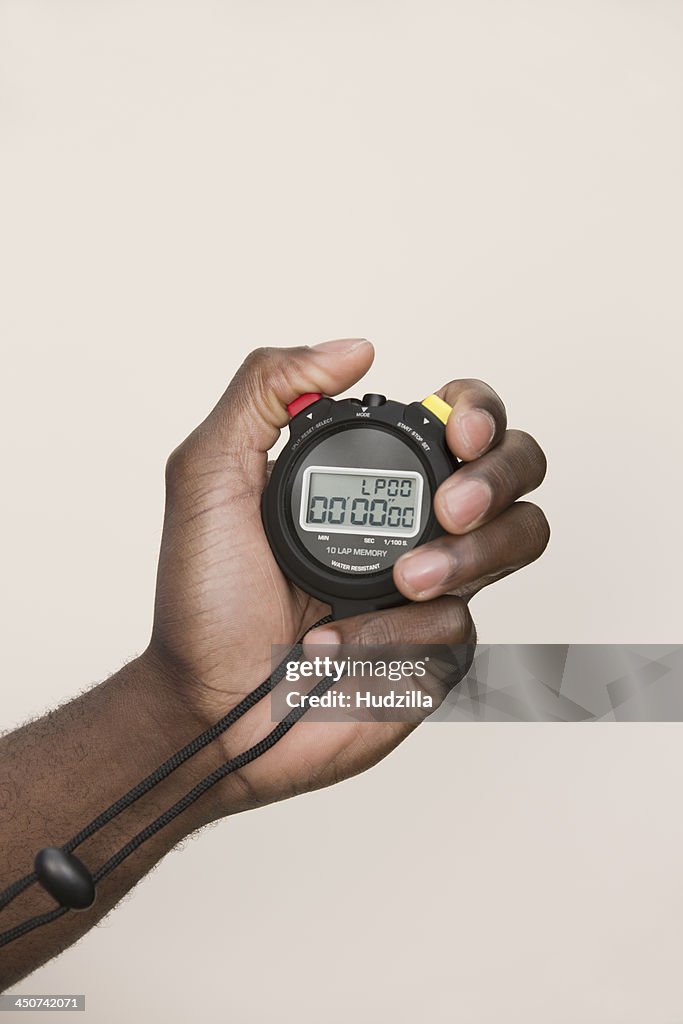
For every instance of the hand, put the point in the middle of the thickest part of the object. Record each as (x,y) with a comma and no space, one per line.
(222,601)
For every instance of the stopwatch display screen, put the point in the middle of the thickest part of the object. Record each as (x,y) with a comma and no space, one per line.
(341,499)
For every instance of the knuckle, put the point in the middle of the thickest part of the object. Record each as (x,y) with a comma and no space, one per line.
(257,358)
(469,387)
(477,385)
(459,618)
(260,365)
(175,465)
(530,452)
(476,550)
(378,630)
(179,464)
(447,620)
(474,384)
(266,373)
(535,526)
(481,393)
(250,380)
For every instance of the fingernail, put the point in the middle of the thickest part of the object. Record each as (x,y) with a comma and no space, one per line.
(425,570)
(323,637)
(466,501)
(477,428)
(340,346)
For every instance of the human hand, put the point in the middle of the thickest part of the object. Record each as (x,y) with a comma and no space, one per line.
(222,600)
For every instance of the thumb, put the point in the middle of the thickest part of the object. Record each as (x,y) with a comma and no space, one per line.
(252,411)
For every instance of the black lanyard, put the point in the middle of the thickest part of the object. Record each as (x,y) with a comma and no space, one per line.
(70,882)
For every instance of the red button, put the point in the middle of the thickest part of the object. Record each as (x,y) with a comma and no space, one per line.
(302,402)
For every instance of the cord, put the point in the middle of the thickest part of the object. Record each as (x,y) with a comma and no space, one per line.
(162,772)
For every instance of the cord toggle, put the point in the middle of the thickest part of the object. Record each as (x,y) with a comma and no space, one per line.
(65,877)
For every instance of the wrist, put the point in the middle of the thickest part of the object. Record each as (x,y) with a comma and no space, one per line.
(164,693)
(183,706)
(155,720)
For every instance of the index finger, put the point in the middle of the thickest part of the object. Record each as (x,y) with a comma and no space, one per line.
(478,420)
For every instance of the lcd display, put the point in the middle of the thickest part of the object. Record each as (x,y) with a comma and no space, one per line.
(370,501)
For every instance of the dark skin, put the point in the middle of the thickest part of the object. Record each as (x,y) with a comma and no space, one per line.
(221,602)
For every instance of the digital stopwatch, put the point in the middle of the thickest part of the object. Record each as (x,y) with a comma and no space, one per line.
(352,491)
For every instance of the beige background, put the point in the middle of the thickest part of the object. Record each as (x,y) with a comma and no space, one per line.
(487,189)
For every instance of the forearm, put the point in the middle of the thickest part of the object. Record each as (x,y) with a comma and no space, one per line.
(59,772)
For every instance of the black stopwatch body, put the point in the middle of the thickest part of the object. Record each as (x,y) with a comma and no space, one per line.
(350,493)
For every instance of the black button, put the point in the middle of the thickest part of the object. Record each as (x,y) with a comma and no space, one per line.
(373,400)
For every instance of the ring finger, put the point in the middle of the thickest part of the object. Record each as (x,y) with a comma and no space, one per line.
(465,564)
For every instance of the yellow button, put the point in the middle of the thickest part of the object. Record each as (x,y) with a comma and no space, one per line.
(436,405)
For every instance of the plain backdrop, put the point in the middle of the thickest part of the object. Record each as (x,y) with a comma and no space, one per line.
(487,189)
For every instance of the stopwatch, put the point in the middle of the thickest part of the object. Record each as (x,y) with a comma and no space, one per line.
(352,491)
